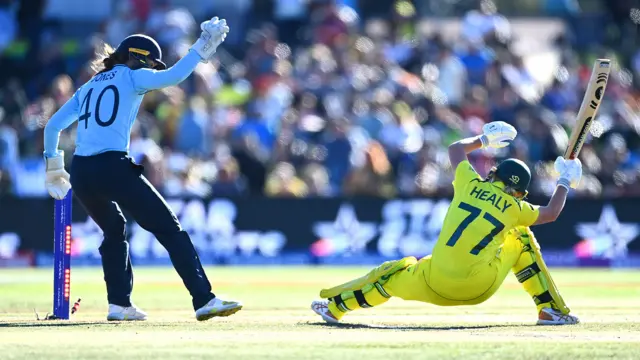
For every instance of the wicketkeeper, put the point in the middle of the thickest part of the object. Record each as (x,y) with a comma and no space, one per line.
(105,178)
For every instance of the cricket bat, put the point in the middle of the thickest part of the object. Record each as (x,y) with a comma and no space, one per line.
(589,107)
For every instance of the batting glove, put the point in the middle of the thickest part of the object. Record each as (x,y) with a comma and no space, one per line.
(497,134)
(57,178)
(570,172)
(214,32)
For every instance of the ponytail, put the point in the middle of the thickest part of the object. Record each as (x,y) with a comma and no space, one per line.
(106,58)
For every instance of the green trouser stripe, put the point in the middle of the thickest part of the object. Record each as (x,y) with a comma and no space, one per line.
(381,290)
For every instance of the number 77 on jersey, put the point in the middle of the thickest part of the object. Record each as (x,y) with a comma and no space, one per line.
(474,213)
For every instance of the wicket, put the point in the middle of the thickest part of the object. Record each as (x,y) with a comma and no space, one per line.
(62,257)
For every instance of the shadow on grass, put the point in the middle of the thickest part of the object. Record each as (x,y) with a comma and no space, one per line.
(53,324)
(101,324)
(45,323)
(414,328)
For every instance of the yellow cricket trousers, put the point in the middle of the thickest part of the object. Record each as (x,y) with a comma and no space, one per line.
(425,282)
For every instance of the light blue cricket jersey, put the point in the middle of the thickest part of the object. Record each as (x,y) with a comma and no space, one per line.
(107,105)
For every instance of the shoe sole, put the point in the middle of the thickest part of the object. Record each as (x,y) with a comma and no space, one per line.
(556,323)
(118,319)
(324,317)
(221,313)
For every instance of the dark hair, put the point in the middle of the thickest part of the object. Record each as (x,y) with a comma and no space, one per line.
(106,58)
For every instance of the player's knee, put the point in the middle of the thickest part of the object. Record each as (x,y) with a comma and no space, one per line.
(116,231)
(172,239)
(162,225)
(519,233)
(169,231)
(113,246)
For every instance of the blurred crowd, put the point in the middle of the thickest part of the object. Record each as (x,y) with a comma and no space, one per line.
(317,101)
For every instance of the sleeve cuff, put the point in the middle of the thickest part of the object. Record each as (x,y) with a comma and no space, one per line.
(57,153)
(484,140)
(564,183)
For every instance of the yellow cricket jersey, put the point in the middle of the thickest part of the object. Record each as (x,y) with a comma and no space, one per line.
(479,216)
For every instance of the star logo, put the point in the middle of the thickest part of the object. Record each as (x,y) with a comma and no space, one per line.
(608,238)
(346,232)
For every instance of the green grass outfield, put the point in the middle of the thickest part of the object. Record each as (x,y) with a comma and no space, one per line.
(276,322)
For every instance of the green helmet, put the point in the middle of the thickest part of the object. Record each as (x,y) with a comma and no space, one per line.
(514,174)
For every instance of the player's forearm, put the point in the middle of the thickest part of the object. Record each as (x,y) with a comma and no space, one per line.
(468,145)
(61,120)
(181,70)
(553,209)
(458,150)
(51,138)
(558,199)
(147,80)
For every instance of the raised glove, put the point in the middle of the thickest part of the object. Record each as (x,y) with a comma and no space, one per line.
(57,178)
(497,134)
(214,32)
(570,172)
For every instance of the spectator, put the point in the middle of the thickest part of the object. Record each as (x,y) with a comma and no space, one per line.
(338,152)
(8,153)
(122,24)
(329,28)
(452,77)
(483,23)
(476,104)
(323,108)
(191,133)
(557,98)
(316,179)
(373,178)
(283,182)
(289,16)
(254,127)
(8,23)
(170,26)
(229,181)
(476,60)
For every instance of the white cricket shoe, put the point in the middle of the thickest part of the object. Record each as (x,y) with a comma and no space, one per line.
(129,313)
(549,316)
(321,307)
(217,307)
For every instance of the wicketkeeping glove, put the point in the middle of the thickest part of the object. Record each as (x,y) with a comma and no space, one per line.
(214,32)
(570,172)
(497,134)
(57,178)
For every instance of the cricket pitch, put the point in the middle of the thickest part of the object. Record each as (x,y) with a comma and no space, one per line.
(276,322)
